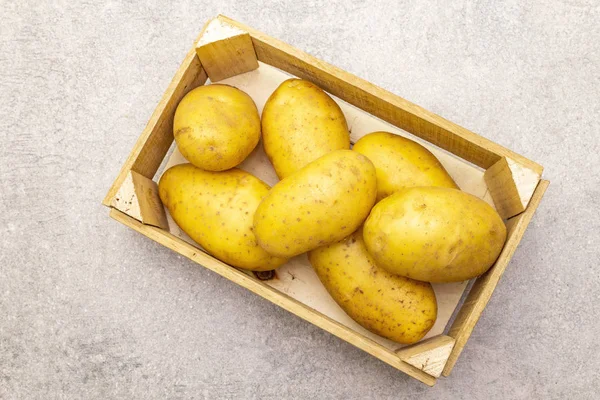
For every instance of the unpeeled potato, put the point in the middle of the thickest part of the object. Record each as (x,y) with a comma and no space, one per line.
(216,127)
(401,163)
(397,308)
(320,204)
(216,210)
(434,234)
(301,123)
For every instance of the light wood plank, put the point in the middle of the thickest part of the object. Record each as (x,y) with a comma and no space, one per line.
(511,186)
(482,290)
(225,51)
(273,295)
(430,355)
(154,142)
(381,103)
(138,197)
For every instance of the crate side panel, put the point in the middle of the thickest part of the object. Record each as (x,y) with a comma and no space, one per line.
(381,103)
(154,142)
(484,286)
(254,285)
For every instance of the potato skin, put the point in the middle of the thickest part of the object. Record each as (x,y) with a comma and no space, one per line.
(216,209)
(401,162)
(397,308)
(434,234)
(320,204)
(301,123)
(216,127)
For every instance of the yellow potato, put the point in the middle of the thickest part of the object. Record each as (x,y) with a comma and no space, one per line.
(216,127)
(216,209)
(401,163)
(434,234)
(397,308)
(300,123)
(320,204)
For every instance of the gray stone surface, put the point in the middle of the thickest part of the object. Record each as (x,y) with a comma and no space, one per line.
(90,309)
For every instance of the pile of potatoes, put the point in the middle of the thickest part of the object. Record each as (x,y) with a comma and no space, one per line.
(379,221)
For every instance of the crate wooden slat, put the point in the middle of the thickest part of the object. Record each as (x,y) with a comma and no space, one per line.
(381,103)
(385,105)
(156,139)
(514,181)
(273,295)
(484,286)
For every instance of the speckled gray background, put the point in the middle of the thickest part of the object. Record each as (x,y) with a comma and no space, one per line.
(92,310)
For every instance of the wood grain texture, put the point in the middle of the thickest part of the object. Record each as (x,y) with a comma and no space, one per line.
(151,208)
(138,197)
(381,103)
(155,140)
(482,290)
(511,186)
(430,355)
(273,295)
(225,51)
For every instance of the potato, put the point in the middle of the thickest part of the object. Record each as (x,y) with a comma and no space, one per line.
(216,209)
(397,308)
(300,123)
(401,163)
(320,204)
(216,127)
(434,234)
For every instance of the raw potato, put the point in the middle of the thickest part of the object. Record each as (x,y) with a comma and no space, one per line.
(320,204)
(397,308)
(401,163)
(216,127)
(216,209)
(434,234)
(301,123)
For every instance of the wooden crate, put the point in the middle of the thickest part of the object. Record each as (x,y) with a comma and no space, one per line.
(227,49)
